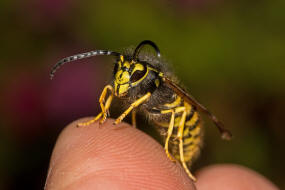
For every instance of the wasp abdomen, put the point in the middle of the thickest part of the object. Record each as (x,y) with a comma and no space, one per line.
(192,139)
(192,136)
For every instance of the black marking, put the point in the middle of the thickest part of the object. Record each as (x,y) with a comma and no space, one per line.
(188,135)
(115,69)
(196,136)
(190,115)
(124,69)
(137,75)
(118,87)
(194,125)
(131,68)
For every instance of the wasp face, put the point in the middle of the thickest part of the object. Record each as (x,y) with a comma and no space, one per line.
(128,74)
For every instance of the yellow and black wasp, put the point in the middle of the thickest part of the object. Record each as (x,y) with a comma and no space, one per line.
(144,83)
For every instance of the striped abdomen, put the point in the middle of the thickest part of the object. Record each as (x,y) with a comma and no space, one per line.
(192,134)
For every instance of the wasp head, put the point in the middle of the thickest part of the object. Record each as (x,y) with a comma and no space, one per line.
(128,74)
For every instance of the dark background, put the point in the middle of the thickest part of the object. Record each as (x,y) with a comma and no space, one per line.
(230,55)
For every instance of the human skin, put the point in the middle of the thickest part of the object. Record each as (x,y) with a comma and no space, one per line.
(119,157)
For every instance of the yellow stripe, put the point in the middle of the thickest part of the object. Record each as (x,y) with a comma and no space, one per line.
(193,120)
(156,82)
(189,107)
(120,65)
(138,67)
(166,124)
(127,64)
(175,103)
(189,147)
(196,131)
(195,141)
(177,156)
(123,88)
(153,69)
(189,155)
(175,142)
(188,140)
(186,131)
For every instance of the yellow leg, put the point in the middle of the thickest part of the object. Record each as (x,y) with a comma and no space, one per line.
(169,132)
(170,128)
(133,105)
(104,108)
(134,120)
(90,121)
(181,151)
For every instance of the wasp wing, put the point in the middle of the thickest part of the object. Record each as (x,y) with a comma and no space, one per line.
(226,134)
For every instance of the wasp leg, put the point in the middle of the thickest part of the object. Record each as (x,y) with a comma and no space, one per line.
(181,150)
(133,105)
(104,108)
(169,132)
(170,128)
(134,120)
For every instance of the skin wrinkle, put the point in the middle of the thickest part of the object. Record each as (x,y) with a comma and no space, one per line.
(65,148)
(142,180)
(142,167)
(102,183)
(70,165)
(131,168)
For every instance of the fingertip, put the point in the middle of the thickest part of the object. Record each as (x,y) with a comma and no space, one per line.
(118,155)
(230,176)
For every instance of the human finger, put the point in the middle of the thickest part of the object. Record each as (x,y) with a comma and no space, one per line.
(231,177)
(111,156)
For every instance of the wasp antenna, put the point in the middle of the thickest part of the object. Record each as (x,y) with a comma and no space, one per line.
(142,44)
(80,56)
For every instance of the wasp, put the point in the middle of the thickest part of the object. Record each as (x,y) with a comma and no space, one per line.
(142,81)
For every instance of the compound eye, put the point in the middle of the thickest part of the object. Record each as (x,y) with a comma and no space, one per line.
(137,75)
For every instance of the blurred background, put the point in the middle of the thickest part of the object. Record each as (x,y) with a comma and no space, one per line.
(230,55)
